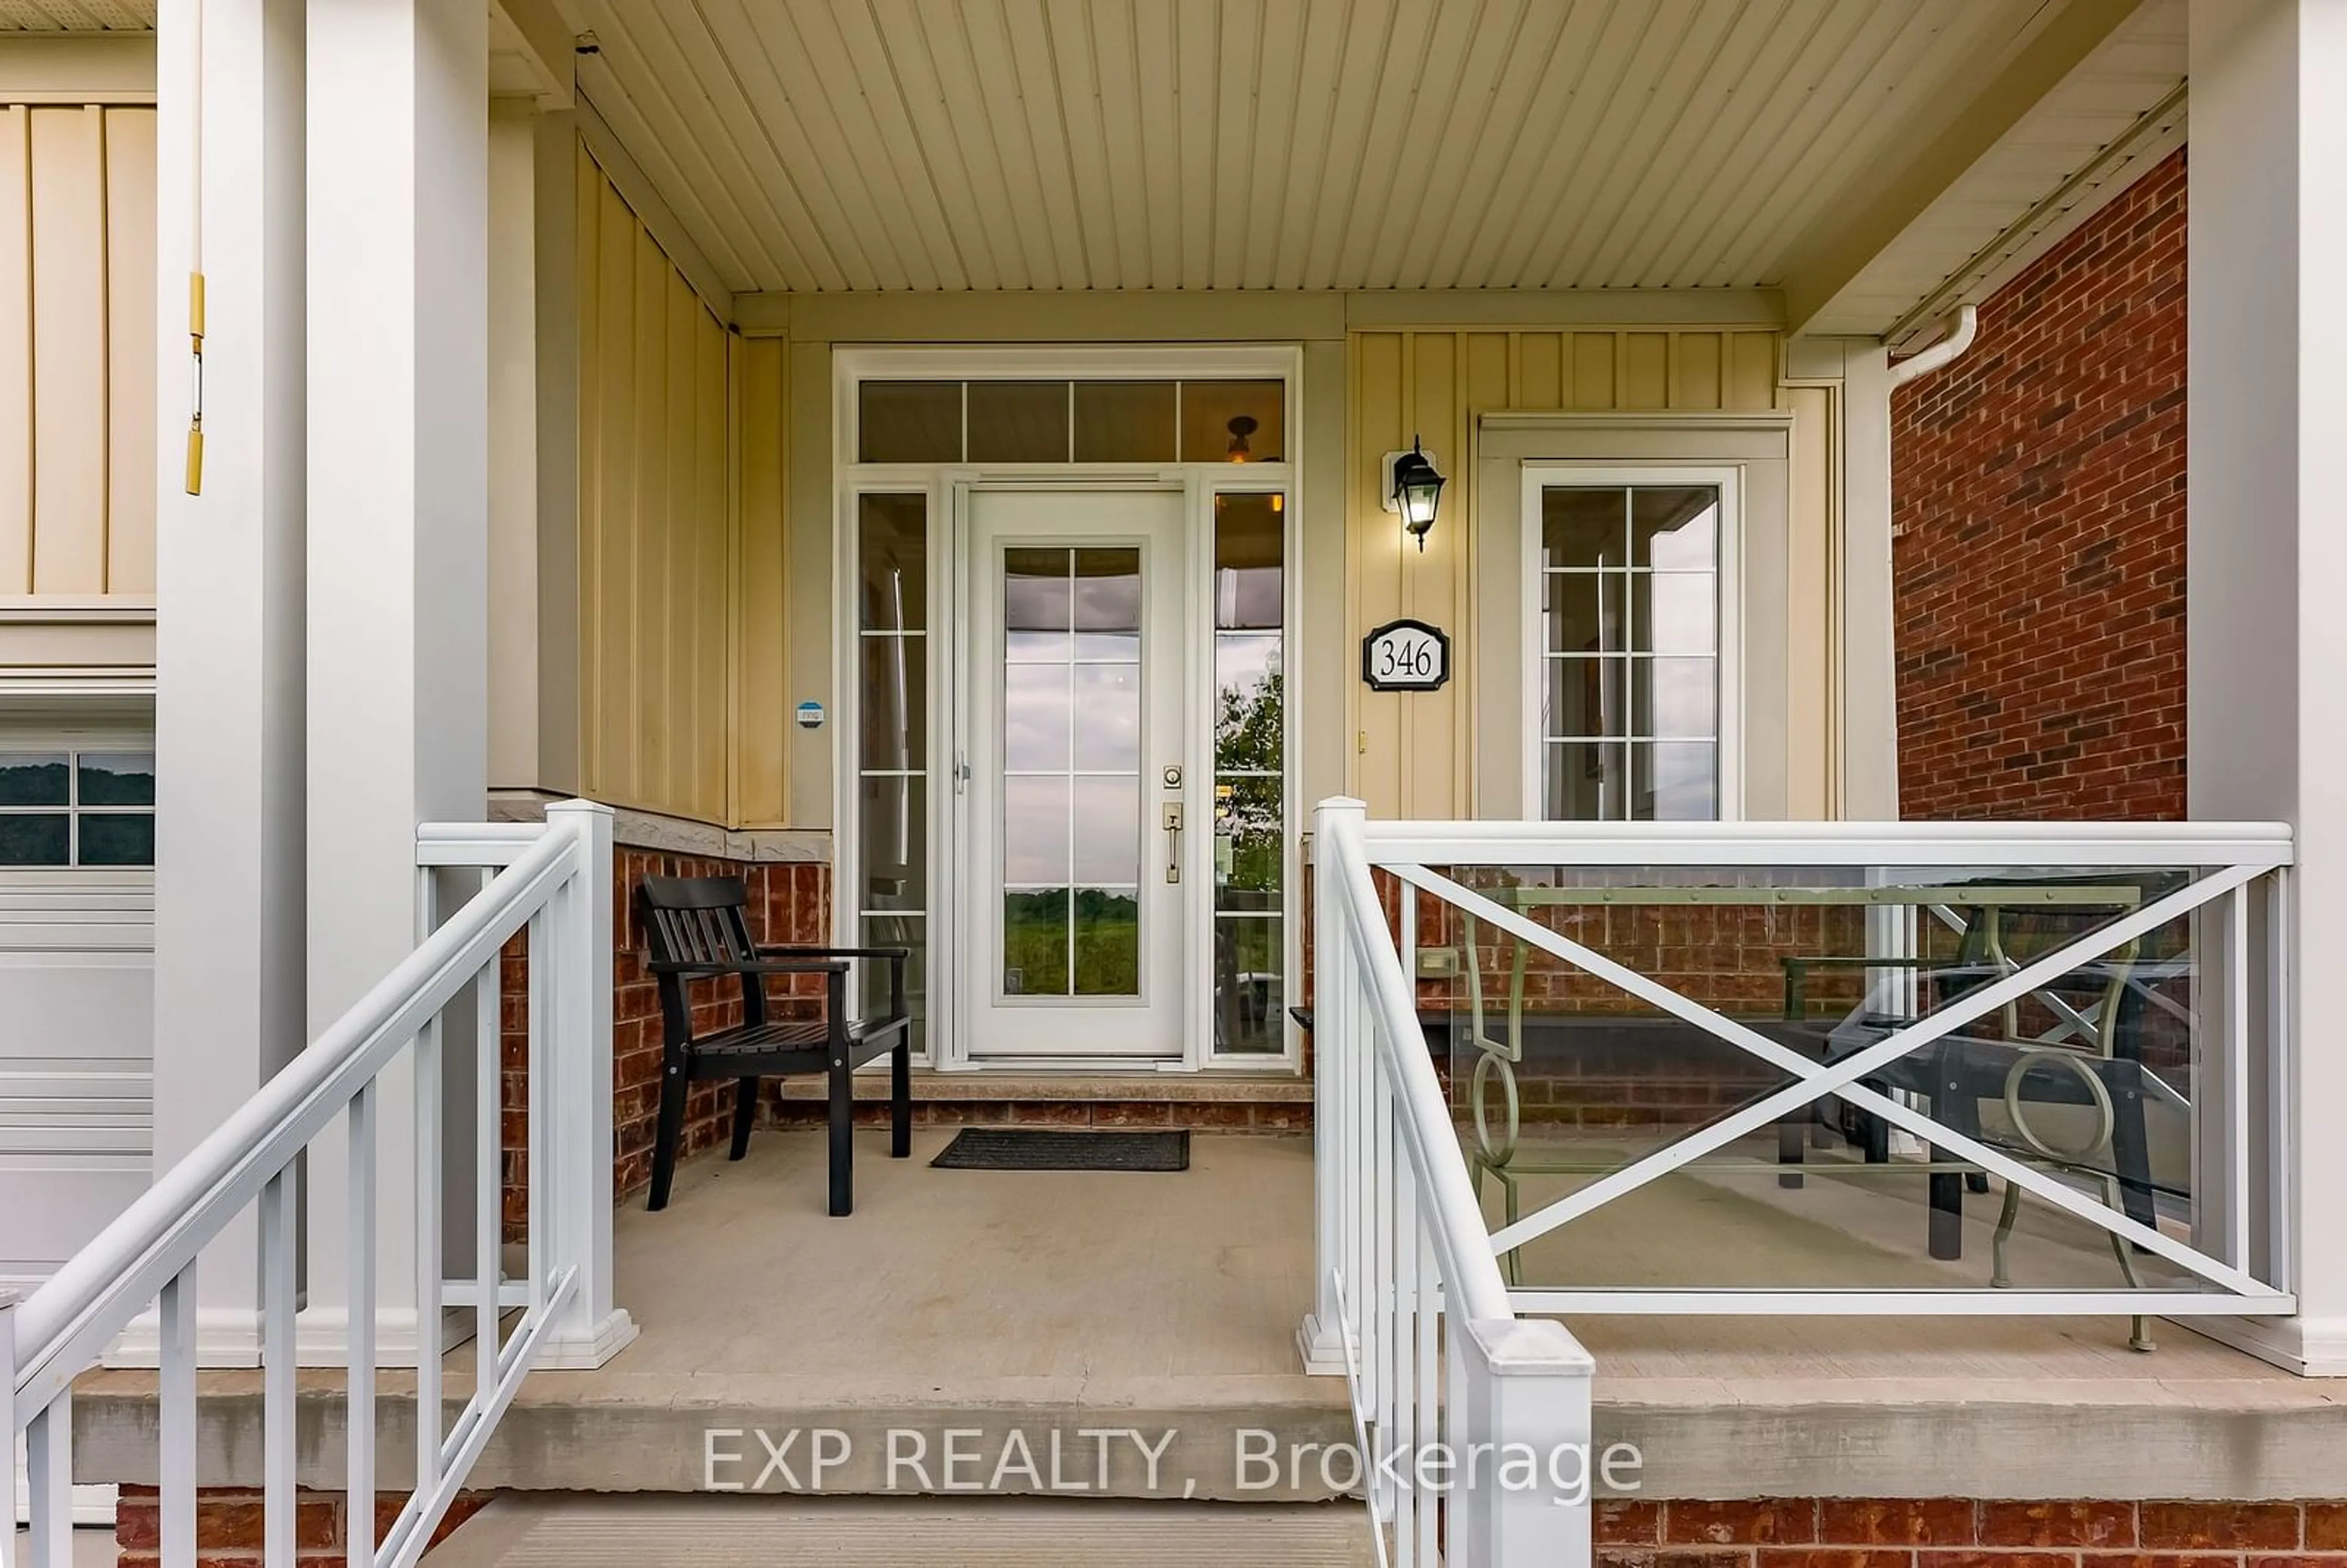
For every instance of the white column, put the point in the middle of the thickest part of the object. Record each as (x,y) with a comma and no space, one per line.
(229,719)
(2266,550)
(398,496)
(1869,718)
(513,455)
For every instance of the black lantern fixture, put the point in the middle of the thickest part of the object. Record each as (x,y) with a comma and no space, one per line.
(1417,491)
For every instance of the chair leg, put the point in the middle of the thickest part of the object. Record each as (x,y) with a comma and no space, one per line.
(900,1101)
(669,1133)
(843,1125)
(1792,1139)
(745,1112)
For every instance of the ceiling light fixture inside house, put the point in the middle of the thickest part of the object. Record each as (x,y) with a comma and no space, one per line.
(1241,427)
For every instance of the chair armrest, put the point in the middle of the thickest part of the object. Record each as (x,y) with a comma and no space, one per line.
(753,966)
(1798,965)
(809,949)
(895,958)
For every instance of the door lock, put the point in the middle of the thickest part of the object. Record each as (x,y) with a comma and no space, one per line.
(1173,778)
(1172,840)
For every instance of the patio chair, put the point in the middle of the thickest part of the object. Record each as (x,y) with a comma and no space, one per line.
(2092,1059)
(698,928)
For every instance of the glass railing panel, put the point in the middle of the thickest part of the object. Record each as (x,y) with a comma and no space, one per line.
(1560,1077)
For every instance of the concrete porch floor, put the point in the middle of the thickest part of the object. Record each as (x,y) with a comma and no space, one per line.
(1027,1310)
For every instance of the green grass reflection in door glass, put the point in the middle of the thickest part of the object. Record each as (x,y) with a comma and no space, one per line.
(1039,945)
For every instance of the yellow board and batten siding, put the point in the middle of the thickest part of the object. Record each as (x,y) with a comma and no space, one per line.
(77,329)
(762,700)
(656,408)
(1413,755)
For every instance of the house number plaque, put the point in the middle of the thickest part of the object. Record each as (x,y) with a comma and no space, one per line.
(1406,656)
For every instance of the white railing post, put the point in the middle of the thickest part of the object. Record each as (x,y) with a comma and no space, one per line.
(8,1419)
(1323,1336)
(1521,1411)
(572,1144)
(48,1445)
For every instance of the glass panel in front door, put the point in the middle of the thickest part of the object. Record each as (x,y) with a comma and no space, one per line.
(1070,748)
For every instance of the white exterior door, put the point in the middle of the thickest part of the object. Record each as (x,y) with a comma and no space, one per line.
(1074,735)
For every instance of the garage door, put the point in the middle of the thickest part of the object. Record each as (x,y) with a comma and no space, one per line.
(77,997)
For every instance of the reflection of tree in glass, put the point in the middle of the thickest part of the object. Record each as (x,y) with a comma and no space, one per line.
(1247,729)
(1247,809)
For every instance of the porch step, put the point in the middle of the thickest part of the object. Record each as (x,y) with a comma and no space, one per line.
(1270,1102)
(572,1530)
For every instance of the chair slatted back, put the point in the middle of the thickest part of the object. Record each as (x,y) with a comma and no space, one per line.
(698,920)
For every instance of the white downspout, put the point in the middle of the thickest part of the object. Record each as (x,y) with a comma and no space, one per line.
(1949,348)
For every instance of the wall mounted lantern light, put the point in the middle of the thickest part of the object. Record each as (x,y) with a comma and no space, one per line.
(1413,489)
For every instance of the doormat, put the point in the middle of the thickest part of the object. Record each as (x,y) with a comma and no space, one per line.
(1048,1149)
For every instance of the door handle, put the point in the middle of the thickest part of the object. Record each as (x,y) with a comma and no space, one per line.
(1173,841)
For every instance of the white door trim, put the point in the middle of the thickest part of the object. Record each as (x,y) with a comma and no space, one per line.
(948,486)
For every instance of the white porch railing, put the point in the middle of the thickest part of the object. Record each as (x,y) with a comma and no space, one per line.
(2184,923)
(1474,1424)
(555,884)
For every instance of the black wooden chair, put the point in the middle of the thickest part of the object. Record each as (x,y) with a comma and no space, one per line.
(698,928)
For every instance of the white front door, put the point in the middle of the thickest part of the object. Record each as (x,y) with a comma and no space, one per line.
(1073,728)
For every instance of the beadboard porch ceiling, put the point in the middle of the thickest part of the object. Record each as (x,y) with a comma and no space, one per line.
(1860,155)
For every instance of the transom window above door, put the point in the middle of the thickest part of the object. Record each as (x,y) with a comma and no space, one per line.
(1629,664)
(1070,421)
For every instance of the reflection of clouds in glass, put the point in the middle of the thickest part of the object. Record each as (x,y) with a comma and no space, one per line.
(1678,613)
(1032,601)
(1035,718)
(1689,544)
(1682,696)
(1108,647)
(1242,663)
(1681,782)
(1247,597)
(1035,832)
(1109,603)
(1108,716)
(1108,832)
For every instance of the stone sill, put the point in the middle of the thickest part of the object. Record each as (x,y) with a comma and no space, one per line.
(634,829)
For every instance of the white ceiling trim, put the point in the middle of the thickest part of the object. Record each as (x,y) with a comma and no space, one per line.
(2112,118)
(2055,217)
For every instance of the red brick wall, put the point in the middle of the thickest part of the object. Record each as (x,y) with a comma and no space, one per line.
(1632,1533)
(2037,486)
(229,1522)
(789,902)
(1960,1532)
